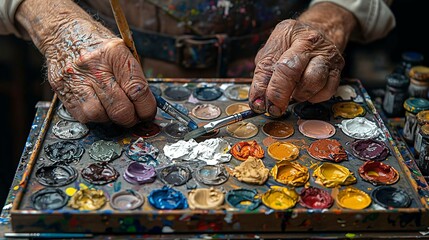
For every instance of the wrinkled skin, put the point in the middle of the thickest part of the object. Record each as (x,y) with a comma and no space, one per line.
(102,83)
(297,62)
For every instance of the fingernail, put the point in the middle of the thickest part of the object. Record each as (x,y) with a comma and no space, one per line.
(259,105)
(274,111)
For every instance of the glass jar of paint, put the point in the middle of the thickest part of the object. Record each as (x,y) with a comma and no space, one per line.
(412,107)
(422,119)
(409,59)
(423,160)
(419,82)
(396,94)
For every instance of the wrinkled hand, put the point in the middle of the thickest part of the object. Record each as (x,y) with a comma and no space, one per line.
(298,62)
(100,82)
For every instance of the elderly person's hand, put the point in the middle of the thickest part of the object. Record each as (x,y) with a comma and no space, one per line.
(92,71)
(301,59)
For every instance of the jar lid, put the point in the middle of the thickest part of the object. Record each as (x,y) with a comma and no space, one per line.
(423,117)
(425,130)
(413,57)
(419,73)
(397,80)
(416,105)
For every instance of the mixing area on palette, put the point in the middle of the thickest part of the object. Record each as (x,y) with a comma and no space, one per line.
(330,155)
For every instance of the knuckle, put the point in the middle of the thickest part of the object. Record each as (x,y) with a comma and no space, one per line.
(123,115)
(136,90)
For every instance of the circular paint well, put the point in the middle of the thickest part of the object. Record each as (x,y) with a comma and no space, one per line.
(332,175)
(138,173)
(176,130)
(175,175)
(69,130)
(311,111)
(146,130)
(370,149)
(346,92)
(244,149)
(283,151)
(315,198)
(348,110)
(378,173)
(205,198)
(316,129)
(207,93)
(88,199)
(353,198)
(391,197)
(243,198)
(126,200)
(64,151)
(242,130)
(142,151)
(206,111)
(360,128)
(105,151)
(49,199)
(280,198)
(56,175)
(277,129)
(99,173)
(290,173)
(212,174)
(327,150)
(167,198)
(236,108)
(237,92)
(177,93)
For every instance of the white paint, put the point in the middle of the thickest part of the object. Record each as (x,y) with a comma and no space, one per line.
(226,4)
(360,128)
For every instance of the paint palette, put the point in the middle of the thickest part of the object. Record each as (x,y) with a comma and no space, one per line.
(304,171)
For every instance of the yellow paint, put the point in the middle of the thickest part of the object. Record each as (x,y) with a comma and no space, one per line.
(348,110)
(236,108)
(280,198)
(283,151)
(290,173)
(71,191)
(87,199)
(332,175)
(82,186)
(16,187)
(353,198)
(126,141)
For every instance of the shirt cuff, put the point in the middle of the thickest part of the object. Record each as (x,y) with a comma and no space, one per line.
(374,17)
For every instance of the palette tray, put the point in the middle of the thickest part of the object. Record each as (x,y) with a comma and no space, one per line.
(225,218)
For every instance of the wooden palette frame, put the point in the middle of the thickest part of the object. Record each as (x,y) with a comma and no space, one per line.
(229,220)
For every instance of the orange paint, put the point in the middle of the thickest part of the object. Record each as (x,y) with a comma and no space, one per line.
(283,151)
(243,150)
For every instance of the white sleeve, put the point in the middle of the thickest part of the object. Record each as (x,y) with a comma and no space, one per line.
(7,17)
(374,17)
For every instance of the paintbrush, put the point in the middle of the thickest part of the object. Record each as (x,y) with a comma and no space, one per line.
(220,123)
(125,32)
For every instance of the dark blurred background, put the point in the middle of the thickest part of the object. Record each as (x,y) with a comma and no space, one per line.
(23,83)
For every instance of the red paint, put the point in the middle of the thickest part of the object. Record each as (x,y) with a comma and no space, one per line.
(70,70)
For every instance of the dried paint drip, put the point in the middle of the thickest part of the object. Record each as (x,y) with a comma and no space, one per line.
(345,92)
(56,175)
(87,199)
(280,198)
(283,151)
(126,200)
(69,130)
(167,198)
(278,129)
(311,111)
(65,114)
(155,90)
(348,110)
(146,130)
(332,175)
(142,151)
(49,199)
(105,151)
(242,130)
(378,173)
(391,197)
(206,111)
(177,93)
(176,130)
(138,173)
(242,198)
(290,173)
(316,129)
(212,174)
(205,198)
(360,128)
(64,151)
(212,151)
(175,175)
(243,150)
(327,150)
(370,149)
(207,93)
(251,171)
(237,92)
(315,198)
(99,173)
(236,108)
(179,107)
(353,198)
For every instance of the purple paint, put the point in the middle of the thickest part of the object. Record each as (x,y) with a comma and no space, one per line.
(370,149)
(138,173)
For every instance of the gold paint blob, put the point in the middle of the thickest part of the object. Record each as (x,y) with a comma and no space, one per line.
(290,173)
(251,171)
(333,175)
(205,198)
(236,108)
(283,151)
(87,199)
(348,110)
(277,129)
(242,130)
(353,198)
(280,198)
